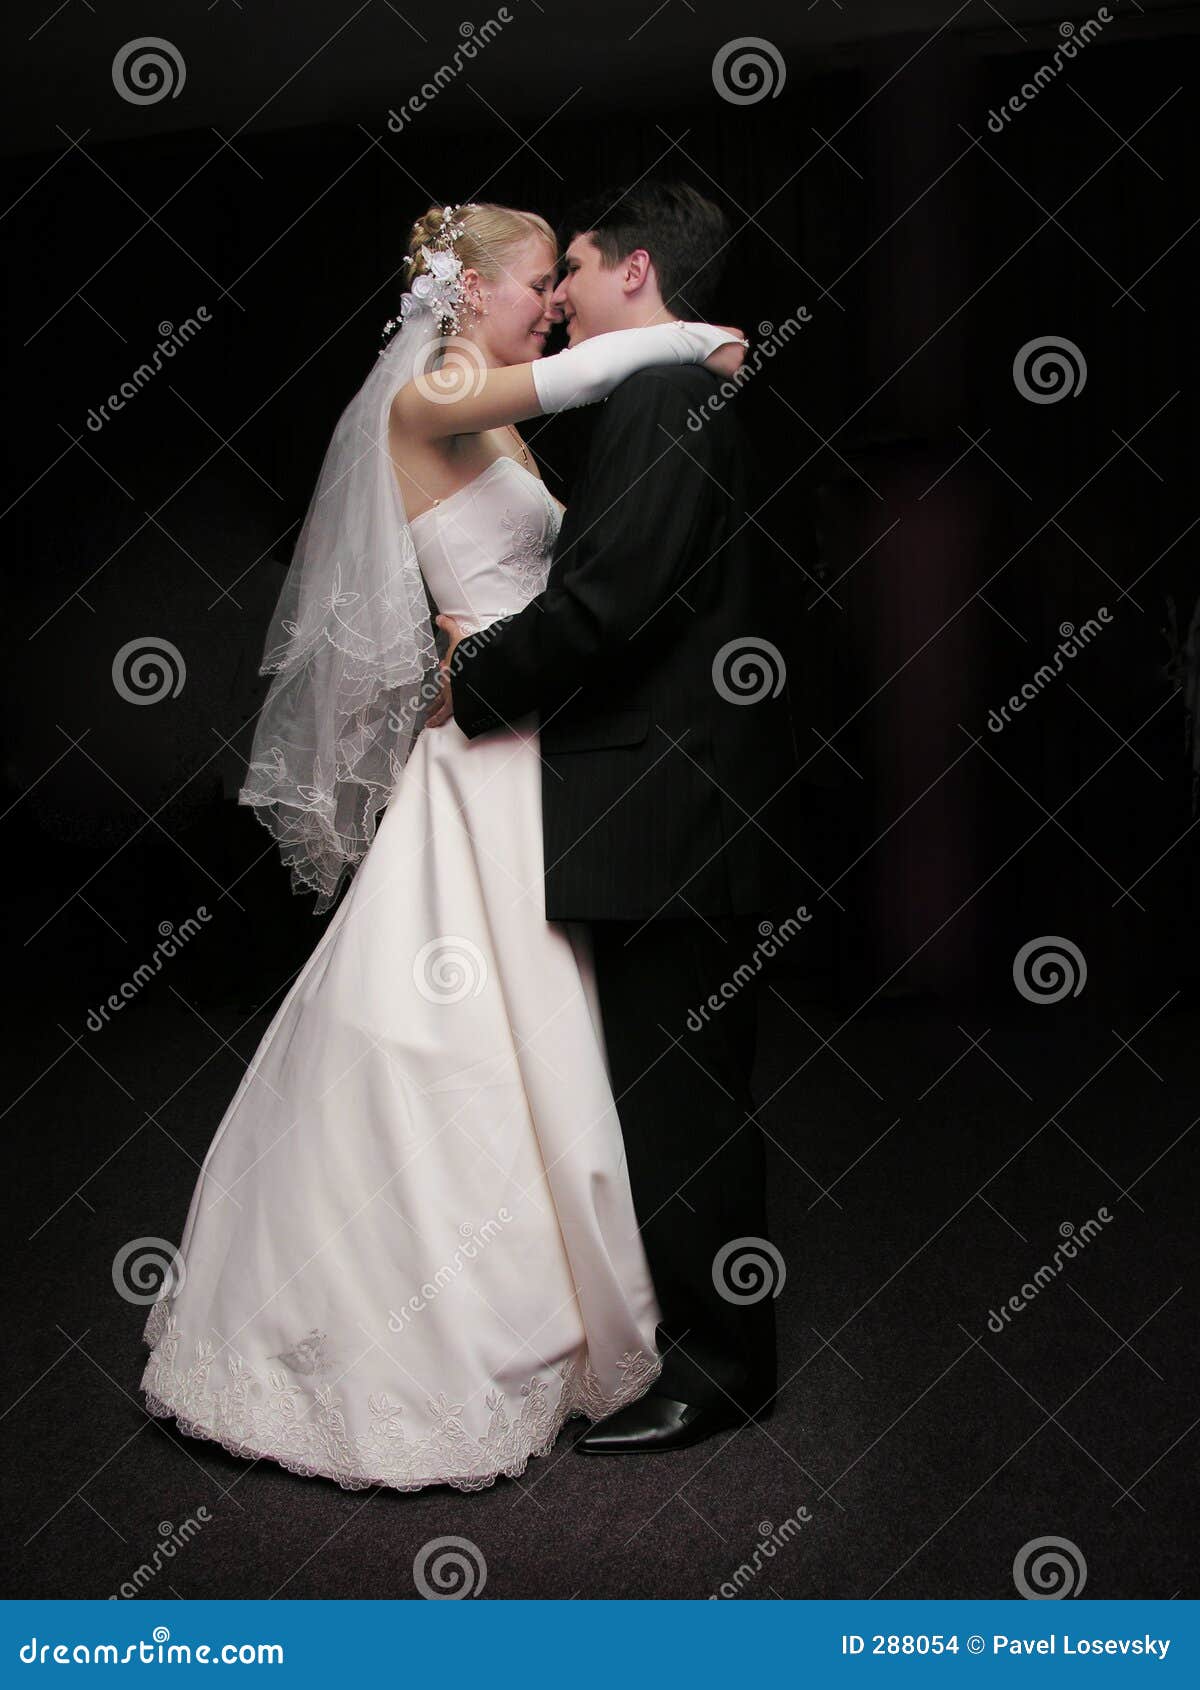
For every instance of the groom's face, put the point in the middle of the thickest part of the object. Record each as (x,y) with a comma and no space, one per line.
(592,299)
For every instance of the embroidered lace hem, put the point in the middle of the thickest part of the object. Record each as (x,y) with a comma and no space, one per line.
(266,1421)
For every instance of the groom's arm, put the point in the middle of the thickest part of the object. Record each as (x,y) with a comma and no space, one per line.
(638,538)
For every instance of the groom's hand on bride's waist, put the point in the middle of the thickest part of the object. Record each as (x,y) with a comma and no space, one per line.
(444,708)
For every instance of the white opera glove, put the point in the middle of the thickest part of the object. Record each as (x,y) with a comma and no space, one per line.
(590,371)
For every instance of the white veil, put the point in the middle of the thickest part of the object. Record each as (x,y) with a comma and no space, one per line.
(351,644)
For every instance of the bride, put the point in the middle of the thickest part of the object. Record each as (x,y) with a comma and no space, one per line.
(411,1252)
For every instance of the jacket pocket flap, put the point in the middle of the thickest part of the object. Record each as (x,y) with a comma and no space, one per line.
(617,727)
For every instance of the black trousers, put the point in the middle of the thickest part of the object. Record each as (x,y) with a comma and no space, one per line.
(680,1073)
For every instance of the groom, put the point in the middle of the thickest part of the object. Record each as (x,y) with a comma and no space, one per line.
(654,768)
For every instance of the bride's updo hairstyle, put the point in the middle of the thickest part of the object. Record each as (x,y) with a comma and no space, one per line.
(491,237)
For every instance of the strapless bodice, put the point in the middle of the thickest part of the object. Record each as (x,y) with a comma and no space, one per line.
(485,551)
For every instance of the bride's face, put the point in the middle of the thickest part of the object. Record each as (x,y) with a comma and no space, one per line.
(519,306)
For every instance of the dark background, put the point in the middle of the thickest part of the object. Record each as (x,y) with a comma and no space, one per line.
(920,577)
(928,531)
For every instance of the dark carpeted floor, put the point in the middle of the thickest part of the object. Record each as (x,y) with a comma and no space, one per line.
(923,1165)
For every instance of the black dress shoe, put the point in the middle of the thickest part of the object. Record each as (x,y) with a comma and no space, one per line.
(656,1423)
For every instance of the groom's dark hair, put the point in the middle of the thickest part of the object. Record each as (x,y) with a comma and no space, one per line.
(684,233)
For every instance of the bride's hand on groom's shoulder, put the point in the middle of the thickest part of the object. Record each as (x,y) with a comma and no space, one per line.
(727,360)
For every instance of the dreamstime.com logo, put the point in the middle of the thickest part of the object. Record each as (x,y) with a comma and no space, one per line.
(430,690)
(1048,1569)
(771,1540)
(160,1651)
(1073,640)
(172,338)
(771,939)
(171,1540)
(1074,1241)
(172,940)
(777,337)
(1073,42)
(472,40)
(473,1243)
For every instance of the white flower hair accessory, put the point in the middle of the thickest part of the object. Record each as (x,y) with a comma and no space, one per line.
(439,286)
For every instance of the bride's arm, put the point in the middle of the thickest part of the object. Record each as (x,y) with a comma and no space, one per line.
(463,398)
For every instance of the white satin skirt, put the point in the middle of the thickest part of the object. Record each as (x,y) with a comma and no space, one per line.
(411,1253)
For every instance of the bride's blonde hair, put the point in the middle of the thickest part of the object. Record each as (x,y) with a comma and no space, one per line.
(490,239)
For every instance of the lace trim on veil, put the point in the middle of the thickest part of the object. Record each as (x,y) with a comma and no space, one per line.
(351,646)
(256,1419)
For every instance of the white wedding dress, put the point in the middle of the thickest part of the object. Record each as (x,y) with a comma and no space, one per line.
(411,1252)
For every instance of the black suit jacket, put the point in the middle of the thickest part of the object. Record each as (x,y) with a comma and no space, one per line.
(652,764)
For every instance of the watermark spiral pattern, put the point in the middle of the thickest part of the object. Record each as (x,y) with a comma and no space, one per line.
(1048,369)
(748,1269)
(148,70)
(1048,1569)
(449,969)
(748,669)
(447,1569)
(748,70)
(147,670)
(450,368)
(1048,969)
(146,1269)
